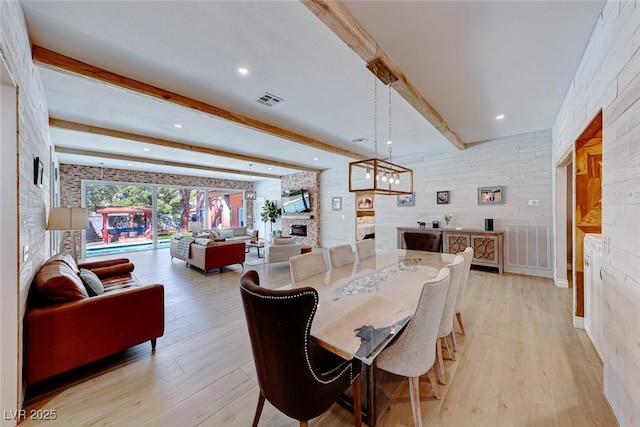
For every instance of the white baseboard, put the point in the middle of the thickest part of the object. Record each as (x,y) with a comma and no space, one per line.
(578,322)
(562,283)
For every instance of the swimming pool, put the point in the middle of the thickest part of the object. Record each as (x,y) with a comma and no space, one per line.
(118,249)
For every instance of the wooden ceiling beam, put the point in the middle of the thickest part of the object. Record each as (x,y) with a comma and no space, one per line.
(56,61)
(335,15)
(80,127)
(126,158)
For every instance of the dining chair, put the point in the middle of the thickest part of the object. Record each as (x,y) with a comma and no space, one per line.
(429,241)
(467,254)
(341,255)
(445,331)
(365,249)
(307,265)
(298,377)
(406,355)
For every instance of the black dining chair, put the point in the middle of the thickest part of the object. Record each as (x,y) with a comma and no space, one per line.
(295,375)
(431,242)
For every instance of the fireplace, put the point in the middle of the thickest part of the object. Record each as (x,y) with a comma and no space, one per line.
(298,230)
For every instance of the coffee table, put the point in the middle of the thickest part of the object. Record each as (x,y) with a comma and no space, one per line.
(256,245)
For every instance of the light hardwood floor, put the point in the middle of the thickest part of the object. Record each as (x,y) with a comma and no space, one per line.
(521,362)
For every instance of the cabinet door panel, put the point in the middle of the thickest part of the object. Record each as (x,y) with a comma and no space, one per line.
(485,248)
(455,243)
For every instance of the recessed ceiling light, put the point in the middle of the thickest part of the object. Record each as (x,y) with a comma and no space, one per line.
(500,117)
(315,158)
(129,164)
(243,71)
(178,126)
(146,149)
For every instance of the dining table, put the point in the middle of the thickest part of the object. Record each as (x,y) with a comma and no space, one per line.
(363,306)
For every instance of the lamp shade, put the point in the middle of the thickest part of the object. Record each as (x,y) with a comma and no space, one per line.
(68,219)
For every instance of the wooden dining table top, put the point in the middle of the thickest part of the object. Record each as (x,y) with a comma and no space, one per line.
(363,305)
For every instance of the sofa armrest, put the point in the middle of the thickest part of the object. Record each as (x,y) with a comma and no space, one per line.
(65,336)
(114,270)
(100,264)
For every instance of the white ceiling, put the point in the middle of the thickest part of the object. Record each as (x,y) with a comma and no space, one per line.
(471,60)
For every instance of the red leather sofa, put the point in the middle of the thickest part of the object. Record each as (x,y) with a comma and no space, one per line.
(64,328)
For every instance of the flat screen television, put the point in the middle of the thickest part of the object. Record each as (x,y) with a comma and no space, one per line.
(296,201)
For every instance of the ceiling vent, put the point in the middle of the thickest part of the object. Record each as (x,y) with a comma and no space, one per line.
(361,139)
(269,100)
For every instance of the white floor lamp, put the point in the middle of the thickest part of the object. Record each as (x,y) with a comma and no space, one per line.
(68,219)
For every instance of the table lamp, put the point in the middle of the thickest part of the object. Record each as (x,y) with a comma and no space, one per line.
(68,219)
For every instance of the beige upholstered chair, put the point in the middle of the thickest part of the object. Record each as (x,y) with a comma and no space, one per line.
(365,249)
(341,255)
(413,354)
(456,270)
(307,265)
(281,249)
(467,254)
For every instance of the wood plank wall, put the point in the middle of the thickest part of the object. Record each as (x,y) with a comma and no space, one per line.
(33,130)
(520,163)
(608,78)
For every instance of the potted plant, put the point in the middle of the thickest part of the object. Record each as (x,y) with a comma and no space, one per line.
(270,213)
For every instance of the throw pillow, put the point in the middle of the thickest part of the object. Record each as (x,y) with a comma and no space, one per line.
(225,233)
(91,282)
(214,235)
(253,234)
(204,242)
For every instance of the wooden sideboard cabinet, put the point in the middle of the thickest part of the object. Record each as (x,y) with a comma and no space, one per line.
(488,246)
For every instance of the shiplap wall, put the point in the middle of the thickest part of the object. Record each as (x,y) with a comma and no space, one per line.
(520,163)
(33,132)
(608,78)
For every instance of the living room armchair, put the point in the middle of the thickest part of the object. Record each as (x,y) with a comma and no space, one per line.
(280,250)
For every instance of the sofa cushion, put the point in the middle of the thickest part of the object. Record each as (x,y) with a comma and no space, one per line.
(225,233)
(239,231)
(91,282)
(56,282)
(67,259)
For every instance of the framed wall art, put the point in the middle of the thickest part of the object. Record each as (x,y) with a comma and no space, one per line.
(336,203)
(406,200)
(442,197)
(364,202)
(491,195)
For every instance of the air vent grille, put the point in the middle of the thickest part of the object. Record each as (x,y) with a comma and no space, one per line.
(269,99)
(361,139)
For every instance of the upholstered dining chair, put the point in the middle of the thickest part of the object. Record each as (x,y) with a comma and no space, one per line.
(365,249)
(298,377)
(307,265)
(406,356)
(467,254)
(430,241)
(341,255)
(445,331)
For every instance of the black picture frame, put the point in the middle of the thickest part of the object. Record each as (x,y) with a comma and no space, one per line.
(442,197)
(38,172)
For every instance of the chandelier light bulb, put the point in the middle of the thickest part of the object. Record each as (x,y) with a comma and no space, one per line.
(384,177)
(397,178)
(368,174)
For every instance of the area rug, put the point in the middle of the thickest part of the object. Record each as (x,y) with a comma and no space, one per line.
(252,258)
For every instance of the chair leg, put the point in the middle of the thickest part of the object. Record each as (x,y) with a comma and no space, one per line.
(459,317)
(434,384)
(455,344)
(153,345)
(256,418)
(450,353)
(356,390)
(304,423)
(414,393)
(440,362)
